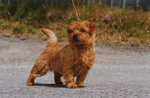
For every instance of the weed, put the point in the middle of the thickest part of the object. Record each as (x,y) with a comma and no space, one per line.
(135,44)
(4,9)
(24,38)
(5,26)
(135,32)
(1,22)
(30,31)
(73,18)
(58,28)
(18,30)
(45,39)
(82,18)
(6,35)
(113,26)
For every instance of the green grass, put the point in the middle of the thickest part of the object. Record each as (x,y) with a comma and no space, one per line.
(25,38)
(6,35)
(18,30)
(113,26)
(45,39)
(5,26)
(29,30)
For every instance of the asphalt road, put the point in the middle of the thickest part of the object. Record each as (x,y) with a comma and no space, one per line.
(119,72)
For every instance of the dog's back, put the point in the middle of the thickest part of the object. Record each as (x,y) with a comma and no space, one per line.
(52,47)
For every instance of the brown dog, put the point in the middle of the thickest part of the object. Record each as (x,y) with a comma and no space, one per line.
(69,61)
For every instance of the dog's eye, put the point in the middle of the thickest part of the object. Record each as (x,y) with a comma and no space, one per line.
(70,31)
(83,30)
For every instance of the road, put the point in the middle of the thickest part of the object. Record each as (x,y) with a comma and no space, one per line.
(119,72)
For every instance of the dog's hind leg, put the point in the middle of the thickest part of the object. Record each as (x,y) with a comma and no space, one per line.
(57,78)
(36,72)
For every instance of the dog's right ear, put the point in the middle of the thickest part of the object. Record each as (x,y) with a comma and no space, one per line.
(91,27)
(67,27)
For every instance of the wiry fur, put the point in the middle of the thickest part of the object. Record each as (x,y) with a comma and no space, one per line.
(69,61)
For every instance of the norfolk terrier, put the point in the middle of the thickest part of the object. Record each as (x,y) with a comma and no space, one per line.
(67,61)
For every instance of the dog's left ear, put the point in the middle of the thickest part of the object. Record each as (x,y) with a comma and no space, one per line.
(91,27)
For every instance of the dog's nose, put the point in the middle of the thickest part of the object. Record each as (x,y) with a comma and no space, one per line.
(75,37)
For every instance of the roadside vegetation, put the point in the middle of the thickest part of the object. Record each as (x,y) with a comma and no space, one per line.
(114,26)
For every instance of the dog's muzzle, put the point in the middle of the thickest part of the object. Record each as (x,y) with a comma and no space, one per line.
(75,37)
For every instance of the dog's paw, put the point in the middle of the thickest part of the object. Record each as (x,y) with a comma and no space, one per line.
(30,82)
(81,84)
(71,85)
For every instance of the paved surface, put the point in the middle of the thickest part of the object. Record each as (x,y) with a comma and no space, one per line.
(119,72)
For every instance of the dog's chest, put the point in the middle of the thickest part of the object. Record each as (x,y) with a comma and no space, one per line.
(83,62)
(85,58)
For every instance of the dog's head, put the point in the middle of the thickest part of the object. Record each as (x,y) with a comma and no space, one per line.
(80,32)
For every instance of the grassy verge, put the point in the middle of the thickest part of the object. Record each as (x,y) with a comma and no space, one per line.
(113,26)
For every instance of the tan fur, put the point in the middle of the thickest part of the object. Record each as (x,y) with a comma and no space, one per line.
(69,61)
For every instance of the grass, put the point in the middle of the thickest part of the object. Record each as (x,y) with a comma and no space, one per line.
(6,35)
(18,30)
(114,26)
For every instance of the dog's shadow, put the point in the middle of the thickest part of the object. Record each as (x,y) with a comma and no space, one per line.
(50,85)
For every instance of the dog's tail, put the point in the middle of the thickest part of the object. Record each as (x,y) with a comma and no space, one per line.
(50,34)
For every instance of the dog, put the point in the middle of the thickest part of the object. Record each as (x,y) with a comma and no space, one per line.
(67,61)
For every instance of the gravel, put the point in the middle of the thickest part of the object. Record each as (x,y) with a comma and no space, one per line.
(119,72)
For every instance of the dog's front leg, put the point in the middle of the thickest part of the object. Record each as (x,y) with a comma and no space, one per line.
(70,84)
(70,81)
(81,77)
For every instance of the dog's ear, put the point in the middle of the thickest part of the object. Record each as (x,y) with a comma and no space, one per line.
(67,27)
(91,27)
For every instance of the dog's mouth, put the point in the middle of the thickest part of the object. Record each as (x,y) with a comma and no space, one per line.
(76,40)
